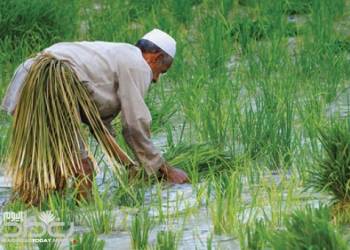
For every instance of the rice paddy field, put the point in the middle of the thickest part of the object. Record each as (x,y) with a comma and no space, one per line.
(255,108)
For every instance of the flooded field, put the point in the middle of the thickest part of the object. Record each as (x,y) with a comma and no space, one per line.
(255,109)
(189,211)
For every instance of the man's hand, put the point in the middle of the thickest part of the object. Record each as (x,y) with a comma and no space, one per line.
(174,175)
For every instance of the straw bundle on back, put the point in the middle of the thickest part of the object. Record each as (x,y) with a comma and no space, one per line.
(44,148)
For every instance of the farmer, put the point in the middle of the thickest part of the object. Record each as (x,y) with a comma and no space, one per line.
(116,76)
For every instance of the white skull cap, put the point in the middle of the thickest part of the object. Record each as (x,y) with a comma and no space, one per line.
(162,40)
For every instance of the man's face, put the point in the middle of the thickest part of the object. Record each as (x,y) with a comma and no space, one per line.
(157,64)
(159,69)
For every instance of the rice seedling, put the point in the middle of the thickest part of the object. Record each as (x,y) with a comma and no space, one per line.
(98,215)
(166,240)
(133,193)
(245,30)
(181,7)
(37,21)
(210,242)
(140,229)
(162,106)
(216,39)
(249,29)
(260,129)
(99,16)
(227,208)
(15,205)
(297,7)
(86,241)
(256,235)
(63,207)
(331,172)
(308,229)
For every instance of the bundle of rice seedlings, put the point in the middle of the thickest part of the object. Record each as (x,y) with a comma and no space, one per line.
(332,172)
(44,147)
(203,156)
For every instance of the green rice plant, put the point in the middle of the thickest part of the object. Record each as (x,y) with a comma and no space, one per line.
(86,241)
(216,39)
(275,206)
(227,7)
(166,240)
(311,113)
(217,115)
(63,206)
(133,193)
(159,202)
(162,105)
(227,206)
(308,228)
(332,9)
(15,205)
(246,2)
(11,55)
(98,214)
(146,6)
(265,111)
(245,30)
(210,242)
(256,235)
(331,173)
(180,7)
(341,44)
(110,21)
(170,207)
(269,23)
(140,229)
(273,13)
(316,60)
(266,126)
(37,21)
(297,7)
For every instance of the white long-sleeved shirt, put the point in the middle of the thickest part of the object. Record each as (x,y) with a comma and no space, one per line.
(117,77)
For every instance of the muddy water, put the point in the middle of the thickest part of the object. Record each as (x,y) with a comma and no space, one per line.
(192,222)
(194,228)
(5,188)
